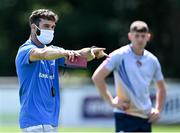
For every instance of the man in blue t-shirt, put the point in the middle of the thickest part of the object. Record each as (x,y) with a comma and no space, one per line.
(37,70)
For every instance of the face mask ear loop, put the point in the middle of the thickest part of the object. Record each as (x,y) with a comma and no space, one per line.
(38,31)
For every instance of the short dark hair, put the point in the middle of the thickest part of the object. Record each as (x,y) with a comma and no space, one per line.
(139,26)
(39,14)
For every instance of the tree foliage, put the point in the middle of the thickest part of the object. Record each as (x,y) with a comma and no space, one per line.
(84,23)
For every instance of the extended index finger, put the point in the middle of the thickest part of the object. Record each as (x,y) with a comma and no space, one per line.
(99,49)
(106,55)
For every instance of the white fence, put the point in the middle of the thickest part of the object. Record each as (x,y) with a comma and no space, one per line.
(81,105)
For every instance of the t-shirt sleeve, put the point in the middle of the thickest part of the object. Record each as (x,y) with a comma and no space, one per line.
(61,62)
(112,61)
(24,54)
(158,73)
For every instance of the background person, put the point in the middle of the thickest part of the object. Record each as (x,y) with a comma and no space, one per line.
(134,69)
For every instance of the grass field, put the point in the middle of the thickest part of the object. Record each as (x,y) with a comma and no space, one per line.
(156,128)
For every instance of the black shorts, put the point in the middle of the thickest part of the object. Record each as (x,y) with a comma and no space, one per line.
(129,123)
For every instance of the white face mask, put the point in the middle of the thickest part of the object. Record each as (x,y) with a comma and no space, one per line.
(45,36)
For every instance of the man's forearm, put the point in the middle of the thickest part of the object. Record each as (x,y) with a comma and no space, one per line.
(91,53)
(102,87)
(54,54)
(160,96)
(86,52)
(47,53)
(160,99)
(59,52)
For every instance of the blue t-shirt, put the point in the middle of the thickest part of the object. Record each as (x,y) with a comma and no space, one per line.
(39,88)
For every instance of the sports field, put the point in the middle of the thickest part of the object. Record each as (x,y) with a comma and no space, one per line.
(156,128)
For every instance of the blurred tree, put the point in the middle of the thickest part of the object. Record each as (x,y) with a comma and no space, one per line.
(84,23)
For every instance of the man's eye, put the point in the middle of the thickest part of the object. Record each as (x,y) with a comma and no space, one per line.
(143,36)
(137,36)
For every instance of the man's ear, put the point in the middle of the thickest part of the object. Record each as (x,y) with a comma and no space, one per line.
(33,27)
(149,37)
(130,36)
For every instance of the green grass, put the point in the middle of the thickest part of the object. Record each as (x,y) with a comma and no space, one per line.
(156,128)
(166,128)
